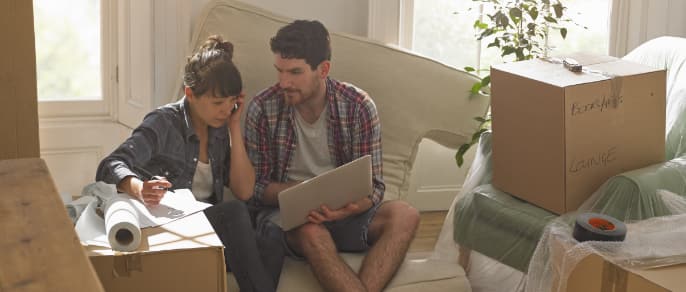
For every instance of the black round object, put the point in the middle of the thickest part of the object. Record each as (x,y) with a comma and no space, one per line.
(598,227)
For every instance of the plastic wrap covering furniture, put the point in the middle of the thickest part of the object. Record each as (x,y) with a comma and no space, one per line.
(507,229)
(649,243)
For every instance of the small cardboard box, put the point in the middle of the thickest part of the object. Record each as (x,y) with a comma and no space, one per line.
(594,273)
(184,255)
(558,135)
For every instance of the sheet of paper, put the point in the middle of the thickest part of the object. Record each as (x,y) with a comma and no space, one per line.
(91,228)
(174,205)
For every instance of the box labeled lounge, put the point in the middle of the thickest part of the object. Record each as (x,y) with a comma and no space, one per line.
(183,255)
(558,135)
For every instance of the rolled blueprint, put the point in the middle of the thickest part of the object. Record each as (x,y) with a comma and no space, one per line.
(121,224)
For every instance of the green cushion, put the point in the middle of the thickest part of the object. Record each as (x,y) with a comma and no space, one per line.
(499,225)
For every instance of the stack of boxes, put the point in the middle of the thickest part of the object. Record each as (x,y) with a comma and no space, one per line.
(558,135)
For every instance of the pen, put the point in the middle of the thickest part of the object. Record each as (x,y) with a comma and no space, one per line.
(151,176)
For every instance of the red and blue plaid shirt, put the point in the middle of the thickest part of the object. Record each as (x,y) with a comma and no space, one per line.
(353,130)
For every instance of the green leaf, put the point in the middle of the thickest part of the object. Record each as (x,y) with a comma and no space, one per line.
(495,43)
(459,156)
(550,19)
(501,20)
(486,33)
(515,14)
(507,50)
(545,1)
(480,25)
(476,87)
(532,29)
(558,10)
(520,54)
(485,81)
(480,119)
(477,134)
(487,124)
(533,12)
(563,32)
(469,69)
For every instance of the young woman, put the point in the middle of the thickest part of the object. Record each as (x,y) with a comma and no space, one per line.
(196,143)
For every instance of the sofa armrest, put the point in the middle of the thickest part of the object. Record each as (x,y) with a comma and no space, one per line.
(632,196)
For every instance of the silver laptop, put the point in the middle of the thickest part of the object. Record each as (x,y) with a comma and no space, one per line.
(335,188)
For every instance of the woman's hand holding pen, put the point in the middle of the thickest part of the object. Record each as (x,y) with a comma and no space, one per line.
(149,192)
(153,190)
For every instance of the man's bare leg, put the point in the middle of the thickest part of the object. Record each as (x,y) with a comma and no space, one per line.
(390,233)
(315,243)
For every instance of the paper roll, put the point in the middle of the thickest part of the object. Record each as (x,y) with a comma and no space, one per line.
(122,225)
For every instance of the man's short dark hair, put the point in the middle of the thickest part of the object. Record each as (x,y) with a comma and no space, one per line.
(303,39)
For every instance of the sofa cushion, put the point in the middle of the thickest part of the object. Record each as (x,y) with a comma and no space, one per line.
(416,274)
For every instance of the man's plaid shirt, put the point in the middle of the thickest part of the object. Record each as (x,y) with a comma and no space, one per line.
(353,131)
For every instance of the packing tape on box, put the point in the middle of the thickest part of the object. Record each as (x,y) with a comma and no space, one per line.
(598,227)
(124,264)
(614,99)
(614,278)
(122,225)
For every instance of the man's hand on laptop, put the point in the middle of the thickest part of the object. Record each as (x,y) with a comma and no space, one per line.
(324,214)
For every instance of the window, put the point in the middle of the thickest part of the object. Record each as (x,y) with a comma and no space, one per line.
(442,29)
(68,49)
(75,59)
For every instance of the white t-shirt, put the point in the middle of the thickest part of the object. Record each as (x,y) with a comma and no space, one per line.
(311,156)
(202,181)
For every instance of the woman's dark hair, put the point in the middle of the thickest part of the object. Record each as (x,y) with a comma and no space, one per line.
(303,39)
(212,68)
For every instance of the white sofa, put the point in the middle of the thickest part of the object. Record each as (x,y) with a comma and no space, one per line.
(416,97)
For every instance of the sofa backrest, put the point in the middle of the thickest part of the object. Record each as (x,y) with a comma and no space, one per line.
(669,53)
(416,97)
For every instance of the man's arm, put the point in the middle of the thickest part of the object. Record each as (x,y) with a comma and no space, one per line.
(271,192)
(259,149)
(367,141)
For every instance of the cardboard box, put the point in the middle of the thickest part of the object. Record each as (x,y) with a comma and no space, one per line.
(19,110)
(41,251)
(596,274)
(558,135)
(184,255)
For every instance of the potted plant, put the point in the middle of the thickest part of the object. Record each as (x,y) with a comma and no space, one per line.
(519,29)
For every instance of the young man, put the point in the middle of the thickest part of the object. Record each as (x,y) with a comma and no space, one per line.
(309,123)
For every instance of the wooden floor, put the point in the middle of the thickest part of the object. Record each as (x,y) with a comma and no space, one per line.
(429,228)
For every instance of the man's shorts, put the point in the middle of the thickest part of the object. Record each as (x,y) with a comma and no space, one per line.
(349,234)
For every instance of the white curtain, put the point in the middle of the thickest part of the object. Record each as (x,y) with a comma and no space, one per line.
(632,22)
